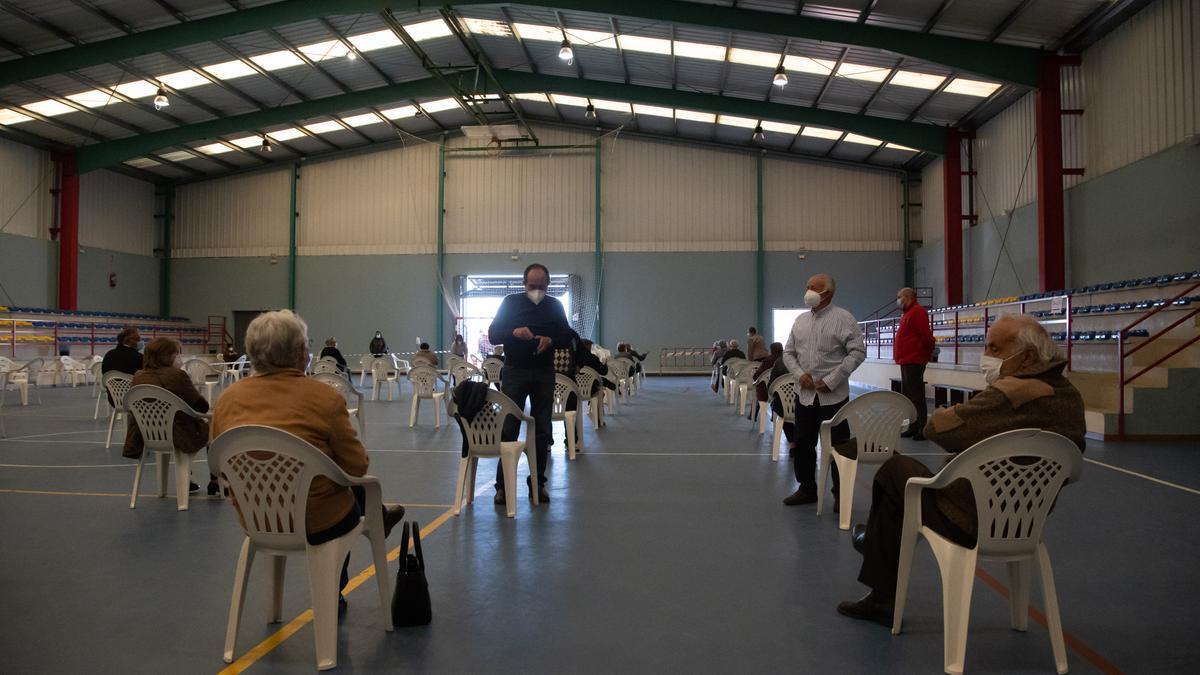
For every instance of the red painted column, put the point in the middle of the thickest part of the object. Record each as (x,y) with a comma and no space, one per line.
(1051,238)
(68,234)
(952,216)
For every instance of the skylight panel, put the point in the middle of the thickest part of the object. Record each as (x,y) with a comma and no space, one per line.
(362,120)
(324,127)
(247,141)
(285,134)
(971,87)
(488,27)
(329,49)
(817,132)
(277,60)
(695,116)
(178,156)
(731,121)
(184,79)
(907,78)
(427,30)
(618,106)
(697,50)
(380,39)
(859,71)
(137,89)
(439,105)
(781,128)
(902,148)
(92,99)
(214,149)
(591,38)
(638,43)
(807,64)
(401,112)
(229,70)
(751,57)
(12,117)
(654,110)
(49,108)
(532,31)
(532,97)
(861,140)
(142,163)
(560,99)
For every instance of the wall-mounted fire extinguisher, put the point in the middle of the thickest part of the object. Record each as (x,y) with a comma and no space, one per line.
(112,280)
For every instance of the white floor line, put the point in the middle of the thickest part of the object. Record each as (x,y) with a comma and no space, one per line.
(116,442)
(57,433)
(130,465)
(1152,479)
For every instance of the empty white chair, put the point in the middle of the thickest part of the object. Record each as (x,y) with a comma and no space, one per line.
(585,379)
(354,398)
(732,367)
(572,427)
(99,387)
(236,370)
(452,361)
(48,373)
(117,384)
(619,369)
(384,374)
(764,407)
(463,371)
(20,378)
(742,384)
(326,364)
(365,365)
(492,367)
(784,387)
(269,472)
(483,435)
(424,381)
(1012,499)
(203,374)
(72,372)
(876,420)
(154,409)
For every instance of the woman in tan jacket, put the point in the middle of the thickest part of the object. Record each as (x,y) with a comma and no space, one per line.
(159,369)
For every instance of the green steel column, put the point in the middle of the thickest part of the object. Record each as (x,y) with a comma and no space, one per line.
(292,241)
(164,262)
(441,244)
(598,335)
(760,262)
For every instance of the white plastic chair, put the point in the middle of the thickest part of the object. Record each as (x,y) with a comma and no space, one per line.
(49,372)
(876,420)
(424,381)
(492,367)
(326,364)
(742,384)
(764,407)
(154,408)
(585,379)
(463,371)
(483,434)
(203,374)
(20,378)
(611,397)
(384,374)
(235,371)
(732,367)
(572,423)
(72,372)
(365,365)
(117,384)
(269,473)
(97,387)
(784,387)
(619,369)
(1012,501)
(354,398)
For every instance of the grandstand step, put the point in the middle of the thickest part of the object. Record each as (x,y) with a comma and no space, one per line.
(1157,409)
(1188,358)
(1099,390)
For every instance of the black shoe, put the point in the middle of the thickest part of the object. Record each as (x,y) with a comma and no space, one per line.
(342,605)
(391,517)
(214,488)
(799,497)
(858,535)
(869,608)
(908,434)
(193,488)
(918,436)
(499,498)
(543,494)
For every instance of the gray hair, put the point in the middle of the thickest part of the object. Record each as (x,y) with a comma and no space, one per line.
(1031,336)
(830,284)
(275,341)
(733,344)
(908,291)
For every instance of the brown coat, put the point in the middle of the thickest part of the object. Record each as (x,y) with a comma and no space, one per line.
(313,411)
(1038,398)
(191,434)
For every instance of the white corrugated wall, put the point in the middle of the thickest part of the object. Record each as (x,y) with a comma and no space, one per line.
(377,203)
(116,213)
(536,202)
(829,208)
(26,205)
(933,208)
(662,196)
(1074,138)
(1006,161)
(236,216)
(1142,85)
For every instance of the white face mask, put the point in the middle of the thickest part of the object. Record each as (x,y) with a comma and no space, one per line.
(900,303)
(990,365)
(812,298)
(535,296)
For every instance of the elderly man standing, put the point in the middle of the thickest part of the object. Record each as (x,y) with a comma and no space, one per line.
(1026,390)
(911,351)
(824,347)
(530,325)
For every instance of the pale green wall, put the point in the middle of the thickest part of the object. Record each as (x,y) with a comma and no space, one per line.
(28,271)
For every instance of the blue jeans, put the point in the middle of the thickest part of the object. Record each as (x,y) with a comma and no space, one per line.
(538,386)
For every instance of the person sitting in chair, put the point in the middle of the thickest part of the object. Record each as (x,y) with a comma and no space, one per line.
(1026,389)
(426,355)
(331,350)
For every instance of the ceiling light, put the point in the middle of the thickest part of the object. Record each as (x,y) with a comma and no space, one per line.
(285,134)
(618,106)
(781,128)
(136,89)
(12,117)
(907,78)
(862,140)
(590,111)
(266,145)
(362,120)
(780,79)
(638,43)
(94,98)
(565,52)
(215,148)
(694,116)
(752,57)
(758,133)
(971,87)
(902,148)
(699,50)
(142,163)
(817,132)
(533,31)
(367,42)
(49,108)
(656,111)
(743,122)
(184,79)
(807,64)
(245,141)
(178,156)
(561,99)
(440,105)
(324,127)
(351,55)
(427,30)
(160,99)
(401,112)
(277,60)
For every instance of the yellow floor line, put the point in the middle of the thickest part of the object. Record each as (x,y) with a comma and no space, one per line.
(278,637)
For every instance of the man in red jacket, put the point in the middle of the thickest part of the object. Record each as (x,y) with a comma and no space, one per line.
(912,348)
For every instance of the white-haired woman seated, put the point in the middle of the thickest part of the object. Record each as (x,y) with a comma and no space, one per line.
(280,396)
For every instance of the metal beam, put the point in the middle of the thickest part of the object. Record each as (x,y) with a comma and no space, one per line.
(528,57)
(1098,24)
(481,60)
(1004,62)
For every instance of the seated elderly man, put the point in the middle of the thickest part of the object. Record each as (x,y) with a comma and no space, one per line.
(1026,389)
(280,396)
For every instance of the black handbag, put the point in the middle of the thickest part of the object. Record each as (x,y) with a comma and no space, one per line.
(410,598)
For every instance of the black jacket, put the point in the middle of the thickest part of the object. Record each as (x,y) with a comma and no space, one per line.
(122,359)
(733,354)
(337,356)
(546,318)
(469,398)
(378,347)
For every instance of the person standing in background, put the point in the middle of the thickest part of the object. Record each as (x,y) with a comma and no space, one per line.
(911,351)
(378,345)
(459,347)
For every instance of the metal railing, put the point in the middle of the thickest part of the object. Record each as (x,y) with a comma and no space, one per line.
(1123,353)
(684,359)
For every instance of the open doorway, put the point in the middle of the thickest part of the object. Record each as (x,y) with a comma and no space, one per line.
(782,319)
(480,296)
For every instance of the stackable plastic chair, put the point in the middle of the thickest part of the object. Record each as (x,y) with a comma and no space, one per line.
(384,374)
(326,364)
(584,379)
(785,388)
(463,371)
(365,365)
(269,473)
(154,408)
(764,407)
(572,423)
(72,372)
(742,384)
(1012,500)
(492,367)
(203,374)
(117,384)
(619,369)
(424,381)
(732,367)
(235,371)
(20,378)
(876,420)
(354,398)
(483,434)
(96,371)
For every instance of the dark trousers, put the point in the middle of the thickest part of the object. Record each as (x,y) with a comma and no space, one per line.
(538,386)
(805,433)
(341,528)
(885,524)
(912,384)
